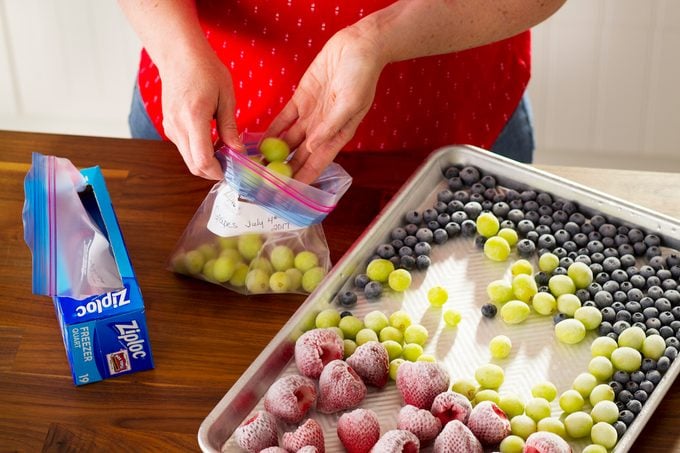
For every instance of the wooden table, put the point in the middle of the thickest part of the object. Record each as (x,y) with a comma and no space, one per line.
(203,336)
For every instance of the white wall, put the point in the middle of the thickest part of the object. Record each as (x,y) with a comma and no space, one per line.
(605,85)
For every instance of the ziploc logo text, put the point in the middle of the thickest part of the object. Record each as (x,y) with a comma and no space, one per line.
(128,333)
(110,300)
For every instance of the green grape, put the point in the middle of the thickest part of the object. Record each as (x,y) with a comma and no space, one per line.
(632,337)
(548,262)
(589,316)
(240,274)
(568,304)
(364,336)
(209,251)
(338,331)
(626,359)
(249,245)
(350,326)
(489,376)
(593,448)
(511,404)
(294,278)
(306,260)
(394,349)
(391,333)
(605,411)
(545,390)
(537,408)
(601,368)
(601,392)
(486,395)
(522,426)
(570,331)
(376,320)
(379,270)
(400,319)
(279,282)
(584,383)
(426,358)
(327,318)
(416,334)
(524,287)
(282,258)
(466,387)
(521,267)
(515,312)
(194,261)
(349,346)
(654,347)
(208,270)
(224,269)
(262,263)
(309,321)
(552,425)
(561,284)
(399,280)
(578,424)
(394,366)
(437,296)
(281,168)
(411,351)
(232,254)
(497,249)
(580,274)
(178,265)
(603,346)
(500,347)
(312,278)
(499,291)
(274,149)
(487,224)
(229,243)
(604,434)
(509,235)
(544,303)
(452,317)
(571,401)
(512,444)
(257,281)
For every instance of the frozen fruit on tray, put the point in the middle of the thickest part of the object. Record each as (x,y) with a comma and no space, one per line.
(290,397)
(257,432)
(420,382)
(316,348)
(371,363)
(488,423)
(546,442)
(449,406)
(457,437)
(420,422)
(309,433)
(358,430)
(397,441)
(340,388)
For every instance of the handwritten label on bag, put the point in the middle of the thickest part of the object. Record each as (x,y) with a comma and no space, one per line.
(232,217)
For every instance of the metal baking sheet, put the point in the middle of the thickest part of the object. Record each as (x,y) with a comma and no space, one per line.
(463,270)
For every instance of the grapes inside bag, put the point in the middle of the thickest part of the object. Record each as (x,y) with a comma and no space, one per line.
(258,230)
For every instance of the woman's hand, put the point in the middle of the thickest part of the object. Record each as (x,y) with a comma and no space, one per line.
(330,101)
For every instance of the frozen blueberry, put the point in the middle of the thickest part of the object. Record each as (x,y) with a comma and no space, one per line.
(639,320)
(423,262)
(524,226)
(515,215)
(605,328)
(361,280)
(489,310)
(422,248)
(454,206)
(450,171)
(406,251)
(452,229)
(397,244)
(472,209)
(663,364)
(445,196)
(666,317)
(440,207)
(459,217)
(414,217)
(559,317)
(542,278)
(647,386)
(534,217)
(526,248)
(441,235)
(429,215)
(641,396)
(639,248)
(672,350)
(560,271)
(478,187)
(455,183)
(634,406)
(621,377)
(654,376)
(395,260)
(616,386)
(647,365)
(411,229)
(373,290)
(469,175)
(385,251)
(653,251)
(627,416)
(620,428)
(468,228)
(507,224)
(347,299)
(407,262)
(620,326)
(631,386)
(424,235)
(608,314)
(624,396)
(443,219)
(500,209)
(665,331)
(410,241)
(480,241)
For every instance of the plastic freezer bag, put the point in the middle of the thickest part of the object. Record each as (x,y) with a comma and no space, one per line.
(71,255)
(257,231)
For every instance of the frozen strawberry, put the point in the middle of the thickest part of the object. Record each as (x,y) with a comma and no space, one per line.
(309,449)
(274,450)
(372,363)
(358,430)
(420,382)
(308,434)
(397,441)
(290,397)
(456,437)
(258,432)
(316,348)
(449,406)
(340,388)
(420,422)
(546,442)
(489,423)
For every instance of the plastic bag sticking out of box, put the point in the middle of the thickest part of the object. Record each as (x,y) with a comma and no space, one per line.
(80,260)
(258,231)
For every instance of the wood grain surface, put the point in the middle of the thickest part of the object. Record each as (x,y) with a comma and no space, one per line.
(203,336)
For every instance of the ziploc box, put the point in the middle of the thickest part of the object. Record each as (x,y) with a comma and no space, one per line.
(105,335)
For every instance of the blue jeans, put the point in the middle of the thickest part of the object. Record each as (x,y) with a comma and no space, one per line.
(515,141)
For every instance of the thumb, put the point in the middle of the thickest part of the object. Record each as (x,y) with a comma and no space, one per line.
(226,125)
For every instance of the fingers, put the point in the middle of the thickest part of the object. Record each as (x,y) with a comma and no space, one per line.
(283,120)
(202,153)
(226,124)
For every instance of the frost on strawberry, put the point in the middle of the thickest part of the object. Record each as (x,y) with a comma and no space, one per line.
(258,432)
(449,406)
(315,349)
(420,382)
(371,362)
(309,433)
(358,430)
(340,388)
(290,397)
(274,450)
(456,437)
(397,441)
(489,423)
(420,422)
(546,442)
